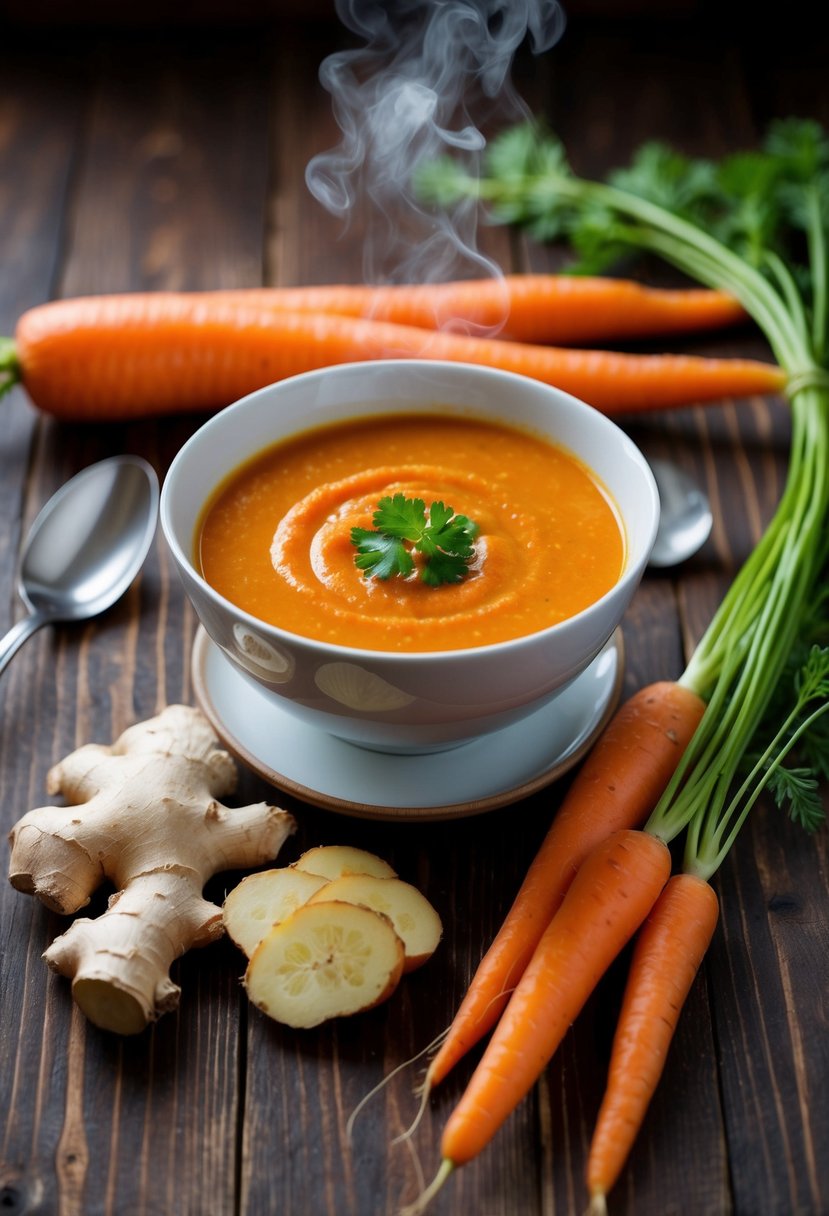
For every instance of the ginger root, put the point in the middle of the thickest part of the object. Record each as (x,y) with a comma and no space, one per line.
(144,814)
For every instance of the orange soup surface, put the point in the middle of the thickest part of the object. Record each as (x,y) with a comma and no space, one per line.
(275,538)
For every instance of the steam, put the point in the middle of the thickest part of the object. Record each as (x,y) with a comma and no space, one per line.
(431,74)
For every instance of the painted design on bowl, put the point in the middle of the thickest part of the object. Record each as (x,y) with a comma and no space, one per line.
(357,688)
(258,655)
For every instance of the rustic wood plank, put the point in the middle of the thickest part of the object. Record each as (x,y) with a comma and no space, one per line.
(39,122)
(771,1017)
(169,191)
(168,179)
(38,140)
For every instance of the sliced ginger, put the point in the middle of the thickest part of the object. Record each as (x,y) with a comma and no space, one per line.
(328,959)
(264,899)
(336,860)
(332,942)
(415,921)
(143,813)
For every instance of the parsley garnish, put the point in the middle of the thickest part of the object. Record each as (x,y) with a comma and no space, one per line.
(402,526)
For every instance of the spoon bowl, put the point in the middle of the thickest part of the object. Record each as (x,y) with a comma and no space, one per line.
(86,546)
(685,520)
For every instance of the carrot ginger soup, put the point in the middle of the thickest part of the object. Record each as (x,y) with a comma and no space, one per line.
(276,538)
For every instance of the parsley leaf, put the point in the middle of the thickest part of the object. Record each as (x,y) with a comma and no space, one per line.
(381,556)
(402,525)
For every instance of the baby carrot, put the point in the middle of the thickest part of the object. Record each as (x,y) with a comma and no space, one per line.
(616,787)
(609,898)
(565,309)
(117,357)
(667,956)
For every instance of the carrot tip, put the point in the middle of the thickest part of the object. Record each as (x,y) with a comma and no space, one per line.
(598,1204)
(425,1197)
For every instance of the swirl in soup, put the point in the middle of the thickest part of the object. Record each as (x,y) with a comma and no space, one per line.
(275,538)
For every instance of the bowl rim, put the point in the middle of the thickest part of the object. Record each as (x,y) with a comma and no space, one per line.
(341,652)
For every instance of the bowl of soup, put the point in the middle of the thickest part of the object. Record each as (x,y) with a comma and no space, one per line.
(409,555)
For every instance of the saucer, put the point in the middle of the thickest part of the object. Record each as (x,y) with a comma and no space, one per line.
(327,772)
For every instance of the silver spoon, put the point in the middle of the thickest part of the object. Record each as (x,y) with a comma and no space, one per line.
(86,546)
(685,521)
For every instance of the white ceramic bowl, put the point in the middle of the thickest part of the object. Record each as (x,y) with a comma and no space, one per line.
(407,702)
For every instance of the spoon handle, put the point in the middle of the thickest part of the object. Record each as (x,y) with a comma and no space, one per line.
(17,635)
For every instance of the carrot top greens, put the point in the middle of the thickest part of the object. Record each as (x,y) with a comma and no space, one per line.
(756,225)
(443,539)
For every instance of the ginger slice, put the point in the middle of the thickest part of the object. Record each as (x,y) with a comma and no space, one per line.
(335,860)
(263,900)
(328,959)
(415,921)
(144,814)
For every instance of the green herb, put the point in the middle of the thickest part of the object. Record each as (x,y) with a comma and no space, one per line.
(444,539)
(797,788)
(712,832)
(755,225)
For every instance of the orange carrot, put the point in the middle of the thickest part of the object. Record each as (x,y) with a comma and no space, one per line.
(565,309)
(617,787)
(668,953)
(612,893)
(125,356)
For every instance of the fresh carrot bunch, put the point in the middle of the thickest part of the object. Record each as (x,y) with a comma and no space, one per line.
(124,356)
(675,760)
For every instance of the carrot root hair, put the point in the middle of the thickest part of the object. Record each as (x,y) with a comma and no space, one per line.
(422,1094)
(349,1127)
(427,1195)
(416,1166)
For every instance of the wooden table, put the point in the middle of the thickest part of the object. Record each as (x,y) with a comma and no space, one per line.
(175,159)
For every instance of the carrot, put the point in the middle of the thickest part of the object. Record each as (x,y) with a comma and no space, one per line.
(616,787)
(668,953)
(565,309)
(612,893)
(131,355)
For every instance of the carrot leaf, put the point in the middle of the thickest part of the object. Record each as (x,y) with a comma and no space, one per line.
(804,738)
(799,791)
(402,526)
